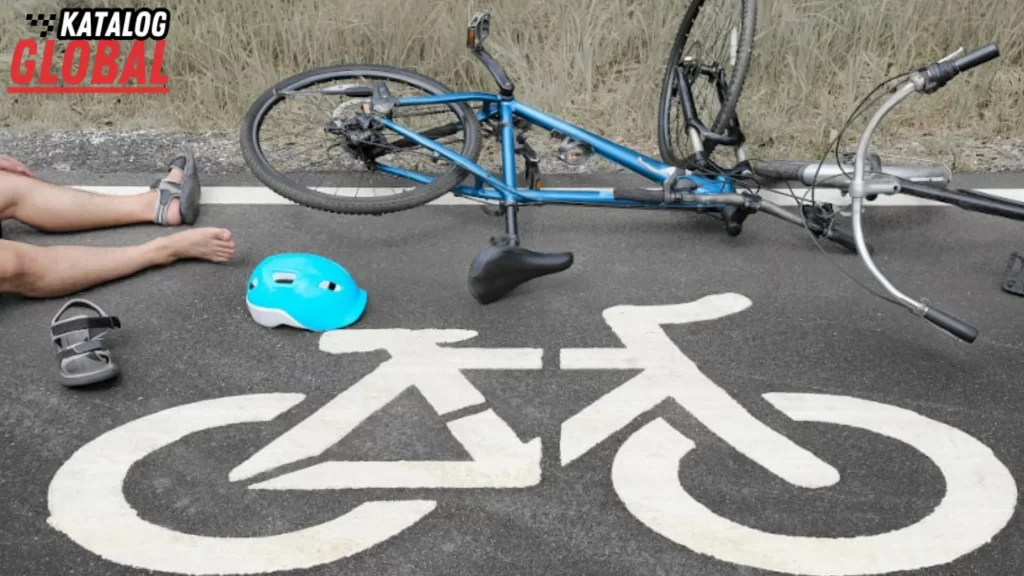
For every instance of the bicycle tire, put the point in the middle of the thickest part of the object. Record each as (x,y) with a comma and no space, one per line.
(744,51)
(416,196)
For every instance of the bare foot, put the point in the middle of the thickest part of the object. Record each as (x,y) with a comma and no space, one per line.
(210,244)
(173,212)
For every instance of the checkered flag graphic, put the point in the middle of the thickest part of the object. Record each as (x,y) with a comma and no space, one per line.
(46,21)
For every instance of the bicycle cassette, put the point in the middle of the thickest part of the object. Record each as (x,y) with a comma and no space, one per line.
(1013,281)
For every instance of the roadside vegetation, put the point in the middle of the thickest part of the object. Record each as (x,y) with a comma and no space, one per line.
(595,62)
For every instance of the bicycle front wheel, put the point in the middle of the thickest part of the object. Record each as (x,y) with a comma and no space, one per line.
(716,36)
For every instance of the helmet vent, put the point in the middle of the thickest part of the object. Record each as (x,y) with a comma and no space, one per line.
(328,285)
(284,278)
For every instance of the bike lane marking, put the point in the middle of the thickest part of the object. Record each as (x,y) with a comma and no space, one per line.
(87,502)
(101,520)
(670,374)
(499,461)
(980,496)
(499,458)
(644,471)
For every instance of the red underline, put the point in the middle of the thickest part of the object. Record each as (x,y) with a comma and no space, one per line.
(87,89)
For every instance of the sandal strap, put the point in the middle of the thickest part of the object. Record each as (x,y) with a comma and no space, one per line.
(93,322)
(76,303)
(168,190)
(80,349)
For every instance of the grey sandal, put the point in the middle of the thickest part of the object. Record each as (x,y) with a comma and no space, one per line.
(187,192)
(82,357)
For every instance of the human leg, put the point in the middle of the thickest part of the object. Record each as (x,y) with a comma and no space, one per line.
(54,208)
(56,271)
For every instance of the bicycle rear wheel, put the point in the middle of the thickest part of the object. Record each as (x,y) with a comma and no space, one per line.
(355,169)
(715,34)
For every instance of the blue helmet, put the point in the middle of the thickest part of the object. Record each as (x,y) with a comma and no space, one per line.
(304,291)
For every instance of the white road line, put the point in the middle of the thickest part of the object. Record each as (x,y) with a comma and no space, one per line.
(261,195)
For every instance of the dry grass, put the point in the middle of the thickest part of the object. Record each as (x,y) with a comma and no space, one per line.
(595,62)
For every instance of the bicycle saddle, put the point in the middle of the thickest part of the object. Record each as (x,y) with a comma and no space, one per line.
(498,270)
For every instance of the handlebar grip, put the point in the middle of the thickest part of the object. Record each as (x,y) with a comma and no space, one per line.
(938,74)
(956,327)
(980,56)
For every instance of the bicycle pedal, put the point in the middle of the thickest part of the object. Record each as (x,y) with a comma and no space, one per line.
(1013,281)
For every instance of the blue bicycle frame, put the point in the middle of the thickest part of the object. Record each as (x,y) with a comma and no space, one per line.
(505,190)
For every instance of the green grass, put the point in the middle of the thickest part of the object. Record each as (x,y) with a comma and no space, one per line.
(595,62)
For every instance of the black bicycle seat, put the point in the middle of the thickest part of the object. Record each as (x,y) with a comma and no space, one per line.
(1013,281)
(498,270)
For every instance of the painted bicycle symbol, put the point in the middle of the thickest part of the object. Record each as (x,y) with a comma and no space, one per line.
(980,493)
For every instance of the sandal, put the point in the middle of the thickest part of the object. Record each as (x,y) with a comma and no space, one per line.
(81,355)
(187,192)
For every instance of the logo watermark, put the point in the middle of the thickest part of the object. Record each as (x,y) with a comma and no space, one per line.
(103,66)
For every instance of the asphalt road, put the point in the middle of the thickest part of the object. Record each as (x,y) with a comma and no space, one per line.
(940,452)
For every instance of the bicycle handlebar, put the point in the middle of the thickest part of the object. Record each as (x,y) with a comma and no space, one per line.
(938,74)
(954,326)
(980,56)
(926,79)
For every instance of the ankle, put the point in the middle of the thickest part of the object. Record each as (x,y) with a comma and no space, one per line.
(147,204)
(172,216)
(162,251)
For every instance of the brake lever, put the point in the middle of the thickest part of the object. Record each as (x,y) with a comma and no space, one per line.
(956,54)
